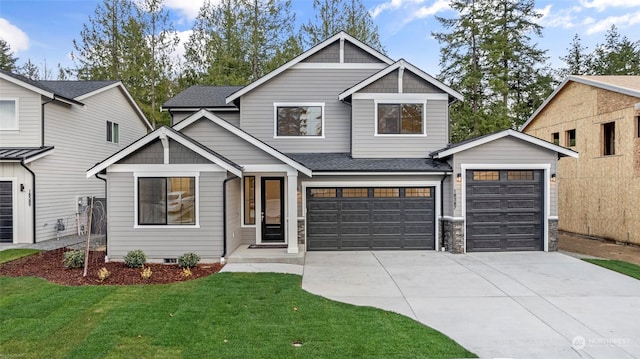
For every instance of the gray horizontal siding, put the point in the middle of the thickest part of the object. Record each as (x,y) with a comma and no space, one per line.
(366,144)
(227,144)
(303,85)
(28,134)
(510,151)
(159,243)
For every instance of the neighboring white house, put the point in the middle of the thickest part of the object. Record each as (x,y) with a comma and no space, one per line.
(341,148)
(50,133)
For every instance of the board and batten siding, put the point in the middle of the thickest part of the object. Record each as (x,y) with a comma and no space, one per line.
(22,212)
(300,86)
(29,108)
(367,145)
(79,136)
(507,151)
(227,144)
(159,243)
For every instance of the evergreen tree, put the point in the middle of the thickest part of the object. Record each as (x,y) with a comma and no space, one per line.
(617,56)
(332,16)
(30,71)
(7,59)
(576,60)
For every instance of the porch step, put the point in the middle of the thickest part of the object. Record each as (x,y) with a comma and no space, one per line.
(244,254)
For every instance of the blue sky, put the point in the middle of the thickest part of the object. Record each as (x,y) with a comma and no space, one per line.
(44,30)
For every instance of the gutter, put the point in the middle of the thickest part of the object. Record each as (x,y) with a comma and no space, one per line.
(33,208)
(106,232)
(224,218)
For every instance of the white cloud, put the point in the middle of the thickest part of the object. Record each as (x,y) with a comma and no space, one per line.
(389,5)
(425,11)
(15,37)
(178,53)
(563,18)
(619,21)
(186,8)
(601,5)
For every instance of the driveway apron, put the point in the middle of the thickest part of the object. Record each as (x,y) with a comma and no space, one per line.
(517,304)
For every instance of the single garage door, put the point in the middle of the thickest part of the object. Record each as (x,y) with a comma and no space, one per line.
(6,211)
(504,210)
(370,218)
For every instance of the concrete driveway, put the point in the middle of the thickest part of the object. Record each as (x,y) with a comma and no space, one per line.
(517,305)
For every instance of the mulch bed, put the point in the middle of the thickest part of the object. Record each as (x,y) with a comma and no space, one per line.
(48,265)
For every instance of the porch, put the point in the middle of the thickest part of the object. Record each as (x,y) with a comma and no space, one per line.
(245,254)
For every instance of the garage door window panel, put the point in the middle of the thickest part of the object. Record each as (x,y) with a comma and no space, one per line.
(520,175)
(355,192)
(386,192)
(418,192)
(486,175)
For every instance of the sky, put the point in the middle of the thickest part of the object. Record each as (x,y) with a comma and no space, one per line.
(43,30)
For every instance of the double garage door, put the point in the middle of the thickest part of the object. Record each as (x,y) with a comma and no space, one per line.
(504,210)
(370,218)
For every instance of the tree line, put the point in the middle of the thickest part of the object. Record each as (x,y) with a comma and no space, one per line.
(488,52)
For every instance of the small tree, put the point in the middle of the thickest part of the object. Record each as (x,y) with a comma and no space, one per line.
(7,59)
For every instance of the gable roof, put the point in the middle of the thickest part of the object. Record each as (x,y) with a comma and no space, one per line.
(243,135)
(26,154)
(306,54)
(167,132)
(474,142)
(75,89)
(199,96)
(37,87)
(401,64)
(626,85)
(343,162)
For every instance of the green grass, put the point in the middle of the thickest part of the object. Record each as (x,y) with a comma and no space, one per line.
(9,255)
(226,315)
(630,269)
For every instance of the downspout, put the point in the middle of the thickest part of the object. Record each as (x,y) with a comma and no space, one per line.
(224,218)
(106,232)
(442,211)
(42,125)
(33,198)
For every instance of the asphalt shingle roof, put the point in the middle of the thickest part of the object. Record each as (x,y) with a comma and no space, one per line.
(73,89)
(202,97)
(343,162)
(21,153)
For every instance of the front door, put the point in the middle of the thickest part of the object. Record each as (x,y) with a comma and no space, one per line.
(273,209)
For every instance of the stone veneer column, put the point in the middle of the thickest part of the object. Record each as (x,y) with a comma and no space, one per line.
(300,231)
(454,235)
(553,235)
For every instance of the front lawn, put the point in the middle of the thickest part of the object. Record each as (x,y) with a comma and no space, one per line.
(630,269)
(226,315)
(9,255)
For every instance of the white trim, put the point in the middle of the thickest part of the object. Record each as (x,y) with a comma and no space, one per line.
(242,201)
(165,170)
(14,206)
(297,104)
(339,66)
(321,184)
(398,64)
(16,101)
(398,96)
(38,156)
(304,55)
(505,133)
(452,218)
(546,167)
(127,95)
(35,89)
(404,101)
(152,136)
(319,174)
(400,75)
(194,109)
(196,204)
(245,136)
(268,168)
(341,50)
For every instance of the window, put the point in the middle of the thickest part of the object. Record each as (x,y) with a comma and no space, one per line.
(299,120)
(250,200)
(386,192)
(8,114)
(556,138)
(166,200)
(355,192)
(486,175)
(638,126)
(113,132)
(417,192)
(609,139)
(400,118)
(570,138)
(519,175)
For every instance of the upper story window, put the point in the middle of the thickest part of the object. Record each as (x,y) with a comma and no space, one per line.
(570,138)
(638,126)
(556,138)
(166,201)
(407,118)
(299,120)
(113,132)
(8,114)
(609,139)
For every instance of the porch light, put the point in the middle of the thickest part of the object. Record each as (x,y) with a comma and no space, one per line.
(553,177)
(459,178)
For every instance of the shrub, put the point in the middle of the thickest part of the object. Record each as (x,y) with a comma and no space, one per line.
(186,272)
(188,260)
(103,274)
(146,272)
(74,259)
(135,259)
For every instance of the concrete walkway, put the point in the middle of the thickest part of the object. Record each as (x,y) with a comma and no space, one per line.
(51,244)
(516,305)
